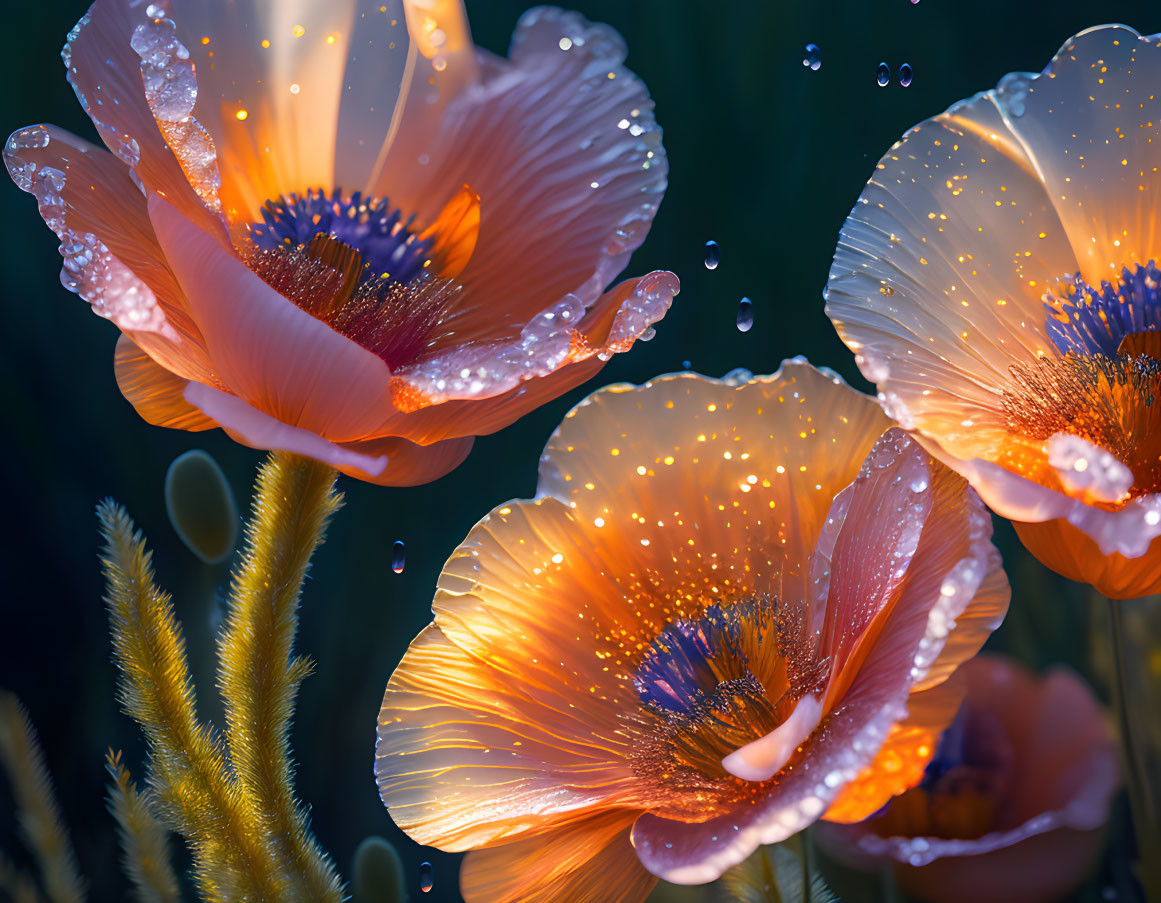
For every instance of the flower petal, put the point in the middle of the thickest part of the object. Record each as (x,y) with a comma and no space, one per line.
(249,426)
(1127,531)
(270,80)
(591,861)
(473,751)
(270,353)
(901,761)
(154,391)
(105,72)
(556,338)
(567,161)
(408,464)
(112,258)
(763,451)
(1092,125)
(1070,551)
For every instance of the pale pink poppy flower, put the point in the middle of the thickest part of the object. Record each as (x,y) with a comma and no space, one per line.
(1013,806)
(734,607)
(340,229)
(997,281)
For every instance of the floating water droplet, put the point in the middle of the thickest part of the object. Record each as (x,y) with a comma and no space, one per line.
(686,364)
(905,74)
(812,57)
(426,879)
(713,255)
(398,556)
(201,507)
(745,315)
(883,75)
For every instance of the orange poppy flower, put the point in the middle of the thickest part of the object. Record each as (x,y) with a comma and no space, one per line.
(340,229)
(734,606)
(1012,808)
(997,281)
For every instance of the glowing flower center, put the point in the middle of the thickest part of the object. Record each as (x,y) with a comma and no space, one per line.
(963,787)
(383,239)
(709,686)
(1101,389)
(1108,401)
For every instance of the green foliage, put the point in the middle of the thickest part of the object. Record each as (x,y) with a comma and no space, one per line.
(231,798)
(776,874)
(144,840)
(38,813)
(377,873)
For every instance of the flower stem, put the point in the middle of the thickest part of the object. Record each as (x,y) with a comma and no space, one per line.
(1136,667)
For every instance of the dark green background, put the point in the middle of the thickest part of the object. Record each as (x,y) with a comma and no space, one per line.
(767,157)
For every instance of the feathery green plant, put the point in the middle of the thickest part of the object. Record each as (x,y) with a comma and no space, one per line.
(776,874)
(144,840)
(38,813)
(230,797)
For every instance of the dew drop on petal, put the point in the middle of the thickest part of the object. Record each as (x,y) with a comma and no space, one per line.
(713,255)
(398,556)
(883,75)
(905,74)
(426,879)
(812,57)
(745,315)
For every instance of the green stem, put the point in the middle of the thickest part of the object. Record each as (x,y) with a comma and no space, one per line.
(1135,700)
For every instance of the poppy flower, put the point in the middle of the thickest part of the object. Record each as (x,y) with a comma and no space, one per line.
(340,229)
(997,280)
(733,607)
(1011,808)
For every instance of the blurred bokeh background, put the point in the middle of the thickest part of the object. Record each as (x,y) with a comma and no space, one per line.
(767,157)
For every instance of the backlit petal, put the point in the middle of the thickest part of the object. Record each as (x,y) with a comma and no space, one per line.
(154,391)
(105,72)
(561,146)
(270,81)
(591,861)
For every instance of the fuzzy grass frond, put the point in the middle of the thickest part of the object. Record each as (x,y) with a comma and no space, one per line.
(17,884)
(144,840)
(39,814)
(196,792)
(776,874)
(259,674)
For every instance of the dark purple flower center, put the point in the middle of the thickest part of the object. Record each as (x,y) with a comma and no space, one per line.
(390,251)
(689,659)
(1089,321)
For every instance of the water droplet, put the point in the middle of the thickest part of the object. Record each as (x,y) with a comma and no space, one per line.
(713,255)
(686,364)
(883,75)
(398,556)
(812,57)
(745,315)
(426,880)
(905,74)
